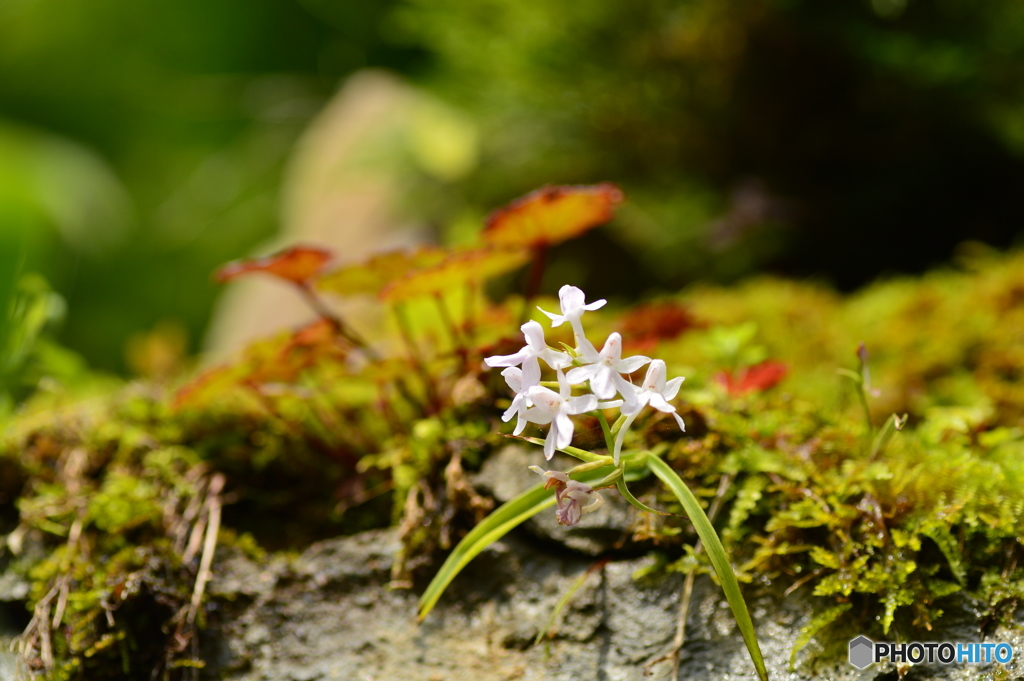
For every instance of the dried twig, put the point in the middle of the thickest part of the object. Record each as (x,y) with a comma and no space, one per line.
(213,503)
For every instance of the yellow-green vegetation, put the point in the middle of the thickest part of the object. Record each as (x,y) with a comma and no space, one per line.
(112,507)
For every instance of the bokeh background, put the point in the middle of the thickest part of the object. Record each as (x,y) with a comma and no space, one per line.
(143,143)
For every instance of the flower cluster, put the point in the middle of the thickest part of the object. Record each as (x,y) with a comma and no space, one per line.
(605,372)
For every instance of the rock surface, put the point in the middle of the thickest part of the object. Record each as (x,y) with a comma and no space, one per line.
(329,614)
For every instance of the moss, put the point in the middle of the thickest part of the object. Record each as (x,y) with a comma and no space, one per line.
(108,502)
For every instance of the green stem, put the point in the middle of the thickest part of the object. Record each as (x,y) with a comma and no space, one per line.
(472,290)
(609,439)
(335,320)
(405,330)
(617,426)
(858,384)
(584,467)
(449,324)
(581,454)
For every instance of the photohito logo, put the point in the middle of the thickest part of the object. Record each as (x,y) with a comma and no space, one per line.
(864,652)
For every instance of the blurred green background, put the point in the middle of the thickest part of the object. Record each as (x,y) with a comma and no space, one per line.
(143,143)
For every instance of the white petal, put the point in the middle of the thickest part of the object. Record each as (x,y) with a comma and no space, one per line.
(578,495)
(538,416)
(581,404)
(531,373)
(639,401)
(579,375)
(672,388)
(564,388)
(520,425)
(659,403)
(628,391)
(631,364)
(571,299)
(514,379)
(549,444)
(587,350)
(556,359)
(577,486)
(602,384)
(679,420)
(557,475)
(612,348)
(511,411)
(596,305)
(655,378)
(508,360)
(544,399)
(556,319)
(534,333)
(565,427)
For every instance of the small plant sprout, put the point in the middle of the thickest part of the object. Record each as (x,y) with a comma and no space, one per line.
(601,382)
(879,438)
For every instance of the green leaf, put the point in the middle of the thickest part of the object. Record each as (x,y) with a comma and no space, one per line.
(628,496)
(716,552)
(491,529)
(825,557)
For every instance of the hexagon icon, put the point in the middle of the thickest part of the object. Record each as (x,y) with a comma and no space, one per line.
(862,652)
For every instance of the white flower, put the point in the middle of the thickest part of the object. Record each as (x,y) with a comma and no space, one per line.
(605,368)
(654,391)
(570,495)
(555,408)
(514,379)
(536,348)
(573,304)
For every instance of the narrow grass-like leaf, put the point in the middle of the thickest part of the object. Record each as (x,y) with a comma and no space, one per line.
(628,496)
(719,560)
(491,529)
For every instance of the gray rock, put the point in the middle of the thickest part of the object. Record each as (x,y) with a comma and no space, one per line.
(330,615)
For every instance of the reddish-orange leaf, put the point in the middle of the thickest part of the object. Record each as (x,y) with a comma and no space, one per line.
(297,264)
(755,378)
(369,277)
(280,359)
(552,215)
(458,269)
